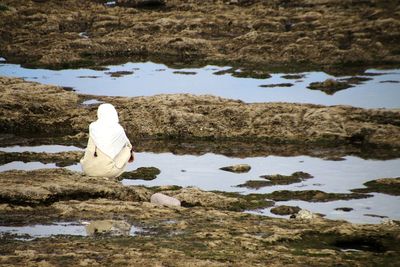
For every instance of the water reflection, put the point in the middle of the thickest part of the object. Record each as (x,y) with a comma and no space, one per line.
(145,79)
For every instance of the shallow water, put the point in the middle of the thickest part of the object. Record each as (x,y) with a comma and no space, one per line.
(29,232)
(46,230)
(150,79)
(203,171)
(367,210)
(38,149)
(29,166)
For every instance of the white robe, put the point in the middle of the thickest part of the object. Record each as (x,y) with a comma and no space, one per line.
(107,134)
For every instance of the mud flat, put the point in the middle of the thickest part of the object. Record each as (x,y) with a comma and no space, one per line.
(322,33)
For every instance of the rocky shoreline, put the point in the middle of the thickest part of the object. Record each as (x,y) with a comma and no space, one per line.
(29,108)
(255,33)
(210,228)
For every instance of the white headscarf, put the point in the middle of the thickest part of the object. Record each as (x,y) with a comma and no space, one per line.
(107,134)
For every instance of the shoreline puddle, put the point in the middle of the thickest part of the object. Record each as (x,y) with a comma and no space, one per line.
(39,149)
(147,80)
(83,229)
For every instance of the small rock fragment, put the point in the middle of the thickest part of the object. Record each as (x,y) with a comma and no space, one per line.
(239,168)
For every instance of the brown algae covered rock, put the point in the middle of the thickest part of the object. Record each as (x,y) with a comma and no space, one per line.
(239,168)
(390,186)
(142,173)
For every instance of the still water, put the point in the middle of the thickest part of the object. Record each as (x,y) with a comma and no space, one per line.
(146,79)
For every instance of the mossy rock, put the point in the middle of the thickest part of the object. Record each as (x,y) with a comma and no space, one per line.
(239,168)
(390,186)
(313,196)
(142,173)
(285,210)
(329,86)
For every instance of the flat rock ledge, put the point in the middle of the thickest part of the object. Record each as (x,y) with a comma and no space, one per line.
(28,108)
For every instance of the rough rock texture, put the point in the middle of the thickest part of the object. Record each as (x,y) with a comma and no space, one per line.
(143,173)
(239,168)
(285,210)
(51,185)
(35,109)
(389,186)
(253,32)
(197,237)
(277,179)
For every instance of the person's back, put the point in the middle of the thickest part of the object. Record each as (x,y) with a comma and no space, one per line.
(109,150)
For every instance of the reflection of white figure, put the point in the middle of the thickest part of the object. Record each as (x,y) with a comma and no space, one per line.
(108,150)
(109,227)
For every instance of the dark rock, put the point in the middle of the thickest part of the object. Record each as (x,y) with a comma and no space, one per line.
(119,73)
(329,86)
(140,3)
(293,76)
(345,209)
(390,81)
(239,168)
(185,72)
(255,184)
(142,173)
(312,196)
(277,85)
(390,186)
(285,210)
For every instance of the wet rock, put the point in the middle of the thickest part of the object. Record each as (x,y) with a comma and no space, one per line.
(345,209)
(285,210)
(293,76)
(356,80)
(140,3)
(119,73)
(312,196)
(389,186)
(295,177)
(24,109)
(161,199)
(108,227)
(142,173)
(60,159)
(192,197)
(47,186)
(329,86)
(255,184)
(277,179)
(277,85)
(185,72)
(390,81)
(239,168)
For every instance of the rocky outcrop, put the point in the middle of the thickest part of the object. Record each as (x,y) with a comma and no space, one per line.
(253,33)
(29,108)
(47,186)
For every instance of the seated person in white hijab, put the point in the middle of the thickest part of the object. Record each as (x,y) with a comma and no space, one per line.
(108,150)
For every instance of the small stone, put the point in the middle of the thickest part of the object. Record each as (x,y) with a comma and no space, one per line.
(388,222)
(161,199)
(239,168)
(306,215)
(345,209)
(143,173)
